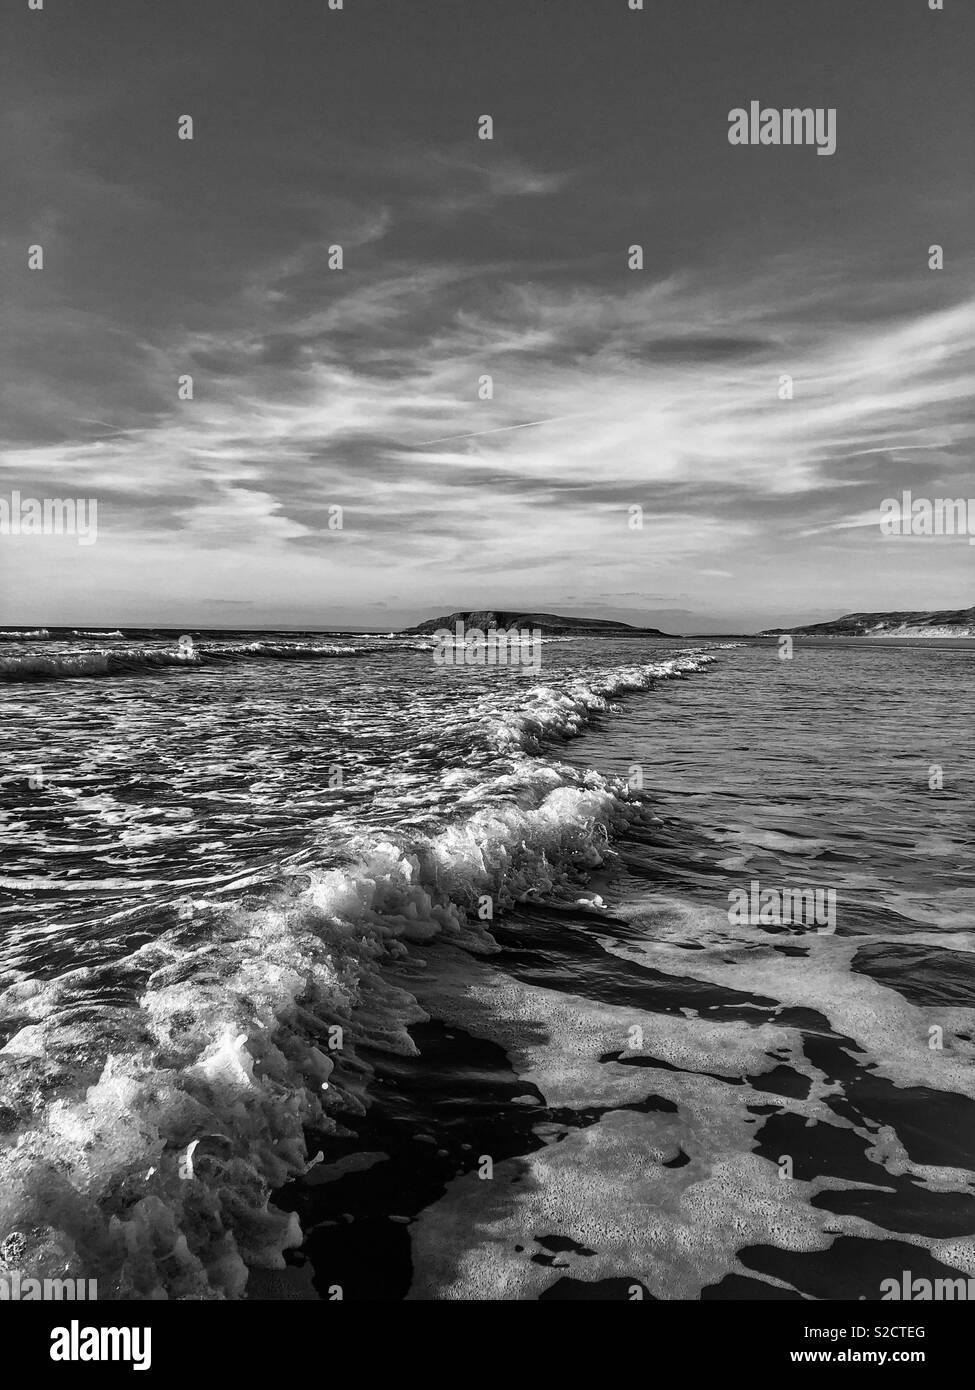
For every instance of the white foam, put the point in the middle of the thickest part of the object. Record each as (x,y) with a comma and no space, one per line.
(226,1034)
(894,1032)
(606,1186)
(117,659)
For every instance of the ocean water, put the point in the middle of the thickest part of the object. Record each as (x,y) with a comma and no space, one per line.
(328,971)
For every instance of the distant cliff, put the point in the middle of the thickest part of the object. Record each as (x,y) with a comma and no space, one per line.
(551,624)
(952,622)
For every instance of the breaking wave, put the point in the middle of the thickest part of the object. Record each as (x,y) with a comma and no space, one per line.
(120,661)
(148,1109)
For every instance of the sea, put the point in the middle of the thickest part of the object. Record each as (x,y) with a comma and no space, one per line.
(334,972)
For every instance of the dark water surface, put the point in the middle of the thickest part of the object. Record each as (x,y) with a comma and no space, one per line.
(820,771)
(621,1092)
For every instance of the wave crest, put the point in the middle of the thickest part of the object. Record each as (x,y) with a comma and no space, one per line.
(119,661)
(140,1142)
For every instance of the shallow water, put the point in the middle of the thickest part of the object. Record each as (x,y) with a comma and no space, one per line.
(192,890)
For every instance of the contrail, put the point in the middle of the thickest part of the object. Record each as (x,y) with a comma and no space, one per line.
(501,429)
(113,429)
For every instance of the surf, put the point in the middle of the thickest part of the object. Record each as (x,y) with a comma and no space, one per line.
(221,1027)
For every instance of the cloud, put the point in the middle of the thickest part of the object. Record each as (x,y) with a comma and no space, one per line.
(366,388)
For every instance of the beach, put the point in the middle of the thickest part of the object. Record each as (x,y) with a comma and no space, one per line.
(423,982)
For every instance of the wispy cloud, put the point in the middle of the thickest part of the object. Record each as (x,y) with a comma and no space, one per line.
(479,413)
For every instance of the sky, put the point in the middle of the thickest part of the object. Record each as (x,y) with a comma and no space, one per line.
(362,388)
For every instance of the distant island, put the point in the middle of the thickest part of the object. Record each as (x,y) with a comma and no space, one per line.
(955,622)
(549,623)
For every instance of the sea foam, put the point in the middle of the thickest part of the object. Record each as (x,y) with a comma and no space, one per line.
(142,1135)
(133,660)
